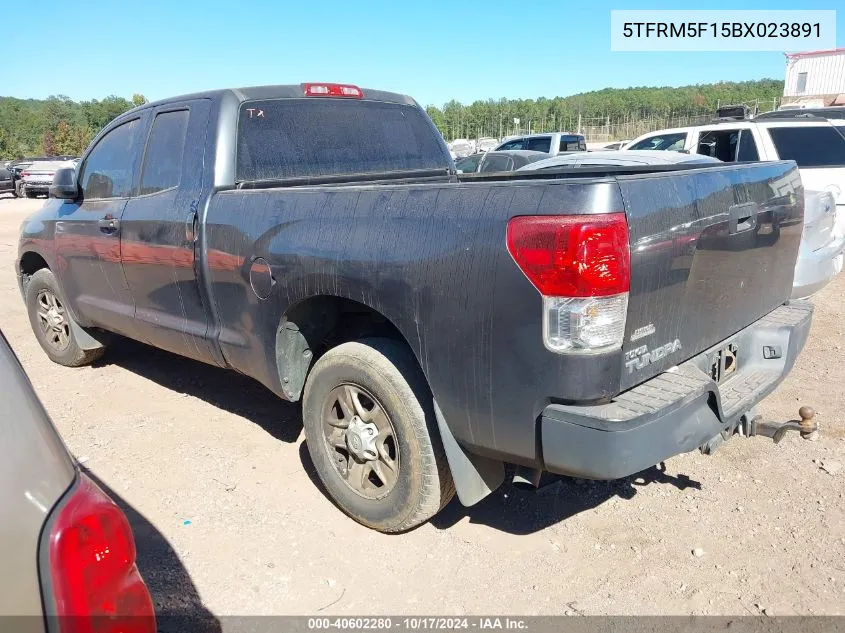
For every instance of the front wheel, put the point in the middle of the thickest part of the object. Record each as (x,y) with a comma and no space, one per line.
(51,322)
(371,433)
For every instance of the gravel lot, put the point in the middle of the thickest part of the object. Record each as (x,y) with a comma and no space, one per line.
(214,473)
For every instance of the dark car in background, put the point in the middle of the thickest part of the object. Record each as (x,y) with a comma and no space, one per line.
(67,552)
(6,182)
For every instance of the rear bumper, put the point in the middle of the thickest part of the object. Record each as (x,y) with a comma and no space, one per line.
(676,411)
(37,187)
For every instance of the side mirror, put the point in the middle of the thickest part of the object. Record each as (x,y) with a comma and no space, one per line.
(64,184)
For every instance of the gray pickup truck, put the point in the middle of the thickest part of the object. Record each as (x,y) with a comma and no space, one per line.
(436,326)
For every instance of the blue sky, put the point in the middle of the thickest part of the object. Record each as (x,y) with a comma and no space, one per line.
(434,51)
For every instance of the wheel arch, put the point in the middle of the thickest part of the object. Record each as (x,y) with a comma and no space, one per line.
(29,263)
(312,326)
(315,325)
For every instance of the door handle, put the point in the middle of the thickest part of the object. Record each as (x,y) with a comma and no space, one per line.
(191,224)
(743,217)
(109,225)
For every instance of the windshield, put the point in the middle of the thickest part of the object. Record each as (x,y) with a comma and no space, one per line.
(810,146)
(285,138)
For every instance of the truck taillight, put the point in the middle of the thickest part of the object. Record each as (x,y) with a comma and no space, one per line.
(95,583)
(346,91)
(582,267)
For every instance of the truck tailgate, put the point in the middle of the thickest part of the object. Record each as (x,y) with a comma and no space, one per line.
(712,251)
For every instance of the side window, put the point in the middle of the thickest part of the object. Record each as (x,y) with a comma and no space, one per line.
(801,88)
(540,144)
(165,148)
(721,144)
(747,147)
(517,144)
(107,172)
(666,142)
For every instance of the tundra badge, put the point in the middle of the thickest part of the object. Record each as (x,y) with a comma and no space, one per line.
(640,357)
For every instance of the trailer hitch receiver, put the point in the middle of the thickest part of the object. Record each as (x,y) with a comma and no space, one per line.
(807,426)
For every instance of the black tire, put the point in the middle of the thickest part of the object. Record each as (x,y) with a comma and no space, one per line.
(28,193)
(387,370)
(42,284)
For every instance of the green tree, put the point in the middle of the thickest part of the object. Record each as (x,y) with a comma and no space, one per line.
(609,106)
(5,145)
(48,144)
(138,99)
(71,140)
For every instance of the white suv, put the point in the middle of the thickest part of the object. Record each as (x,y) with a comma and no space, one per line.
(817,145)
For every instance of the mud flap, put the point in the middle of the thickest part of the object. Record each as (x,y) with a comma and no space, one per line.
(86,339)
(475,477)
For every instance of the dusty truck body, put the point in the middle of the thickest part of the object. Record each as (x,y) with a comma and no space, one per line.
(436,326)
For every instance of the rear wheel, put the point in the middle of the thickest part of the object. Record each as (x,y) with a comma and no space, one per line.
(371,432)
(51,322)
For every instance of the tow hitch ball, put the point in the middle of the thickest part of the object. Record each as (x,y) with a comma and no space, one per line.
(808,428)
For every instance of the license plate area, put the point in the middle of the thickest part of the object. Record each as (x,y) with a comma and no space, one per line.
(724,363)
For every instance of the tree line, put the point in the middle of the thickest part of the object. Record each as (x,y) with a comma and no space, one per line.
(610,106)
(57,125)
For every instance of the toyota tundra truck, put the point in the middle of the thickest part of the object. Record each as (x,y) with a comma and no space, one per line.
(440,329)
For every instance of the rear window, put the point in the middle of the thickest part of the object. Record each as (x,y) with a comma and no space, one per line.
(286,138)
(816,146)
(496,163)
(538,144)
(572,143)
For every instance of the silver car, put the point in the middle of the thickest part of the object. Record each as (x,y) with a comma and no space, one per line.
(38,177)
(510,160)
(66,548)
(820,255)
(613,158)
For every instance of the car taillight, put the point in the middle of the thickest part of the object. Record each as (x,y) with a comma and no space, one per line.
(25,174)
(582,267)
(346,91)
(96,585)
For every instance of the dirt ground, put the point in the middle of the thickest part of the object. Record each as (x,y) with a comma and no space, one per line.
(214,474)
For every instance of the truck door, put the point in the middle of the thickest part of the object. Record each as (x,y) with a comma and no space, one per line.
(87,237)
(159,229)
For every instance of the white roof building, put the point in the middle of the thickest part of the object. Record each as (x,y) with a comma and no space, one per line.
(815,76)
